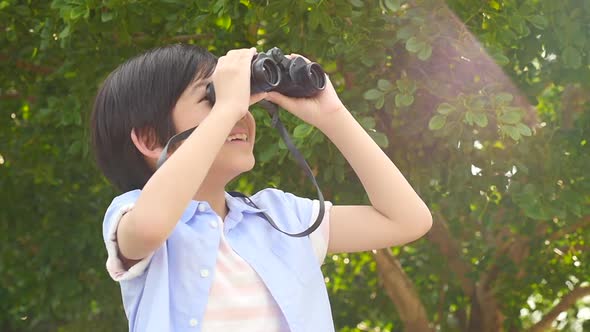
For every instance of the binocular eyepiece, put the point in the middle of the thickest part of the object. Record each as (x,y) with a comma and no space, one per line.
(273,71)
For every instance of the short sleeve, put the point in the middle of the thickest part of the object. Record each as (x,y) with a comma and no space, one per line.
(120,205)
(308,211)
(320,238)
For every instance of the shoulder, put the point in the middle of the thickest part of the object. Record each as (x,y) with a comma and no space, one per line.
(273,195)
(118,207)
(129,197)
(121,204)
(284,204)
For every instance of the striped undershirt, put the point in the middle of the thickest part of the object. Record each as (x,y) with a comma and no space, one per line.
(239,300)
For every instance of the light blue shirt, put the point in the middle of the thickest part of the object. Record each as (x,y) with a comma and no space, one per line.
(168,290)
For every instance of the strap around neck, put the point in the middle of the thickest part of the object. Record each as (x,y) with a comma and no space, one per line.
(273,110)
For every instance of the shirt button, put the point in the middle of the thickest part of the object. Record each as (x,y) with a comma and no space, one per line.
(193,322)
(204,273)
(202,208)
(213,223)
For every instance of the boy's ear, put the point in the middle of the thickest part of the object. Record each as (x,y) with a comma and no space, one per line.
(146,142)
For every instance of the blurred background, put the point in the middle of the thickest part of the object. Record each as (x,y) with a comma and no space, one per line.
(483,105)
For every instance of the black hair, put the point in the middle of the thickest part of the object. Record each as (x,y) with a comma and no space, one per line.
(141,93)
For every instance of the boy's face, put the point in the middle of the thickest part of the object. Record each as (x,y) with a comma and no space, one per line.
(236,155)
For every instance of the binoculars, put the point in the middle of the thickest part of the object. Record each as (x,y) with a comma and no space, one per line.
(273,71)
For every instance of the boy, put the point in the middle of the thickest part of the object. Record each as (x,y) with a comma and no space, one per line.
(188,256)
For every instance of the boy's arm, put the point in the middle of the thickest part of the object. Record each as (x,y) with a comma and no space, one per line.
(396,215)
(168,192)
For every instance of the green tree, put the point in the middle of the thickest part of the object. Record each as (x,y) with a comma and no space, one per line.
(484,106)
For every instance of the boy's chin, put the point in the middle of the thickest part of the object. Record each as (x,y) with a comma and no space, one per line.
(237,167)
(249,165)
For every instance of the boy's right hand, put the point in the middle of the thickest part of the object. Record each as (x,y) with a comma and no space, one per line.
(231,80)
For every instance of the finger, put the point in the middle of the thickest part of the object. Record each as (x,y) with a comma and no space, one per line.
(241,53)
(257,97)
(285,102)
(246,55)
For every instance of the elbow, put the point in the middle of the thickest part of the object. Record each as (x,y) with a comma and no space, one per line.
(143,236)
(425,221)
(422,222)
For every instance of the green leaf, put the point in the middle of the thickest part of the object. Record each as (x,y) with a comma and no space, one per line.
(477,104)
(393,5)
(500,58)
(480,119)
(572,57)
(403,100)
(524,129)
(512,115)
(302,130)
(217,8)
(503,98)
(538,21)
(379,138)
(425,53)
(65,32)
(372,94)
(270,151)
(511,131)
(468,118)
(77,12)
(367,61)
(414,45)
(536,211)
(380,102)
(368,122)
(356,3)
(107,16)
(224,22)
(406,86)
(437,122)
(405,32)
(281,144)
(75,148)
(445,108)
(384,85)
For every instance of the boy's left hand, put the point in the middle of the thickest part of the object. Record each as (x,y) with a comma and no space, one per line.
(314,110)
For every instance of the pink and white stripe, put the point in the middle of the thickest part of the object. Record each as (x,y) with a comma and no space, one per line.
(239,300)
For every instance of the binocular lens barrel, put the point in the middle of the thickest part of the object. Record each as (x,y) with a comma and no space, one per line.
(266,74)
(316,75)
(272,71)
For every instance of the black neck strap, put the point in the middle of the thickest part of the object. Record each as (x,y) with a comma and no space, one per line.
(273,110)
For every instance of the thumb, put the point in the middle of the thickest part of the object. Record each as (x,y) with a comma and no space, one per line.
(257,97)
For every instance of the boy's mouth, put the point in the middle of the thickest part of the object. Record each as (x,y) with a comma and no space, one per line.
(238,137)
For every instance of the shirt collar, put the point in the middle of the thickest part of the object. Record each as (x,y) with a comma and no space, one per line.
(190,210)
(236,206)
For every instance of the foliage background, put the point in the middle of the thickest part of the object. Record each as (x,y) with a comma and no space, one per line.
(484,105)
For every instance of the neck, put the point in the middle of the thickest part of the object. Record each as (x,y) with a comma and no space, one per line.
(213,192)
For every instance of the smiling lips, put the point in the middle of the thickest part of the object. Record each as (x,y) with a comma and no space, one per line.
(237,137)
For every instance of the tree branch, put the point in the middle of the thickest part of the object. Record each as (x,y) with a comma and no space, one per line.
(573,100)
(31,67)
(584,222)
(566,302)
(440,236)
(402,293)
(518,249)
